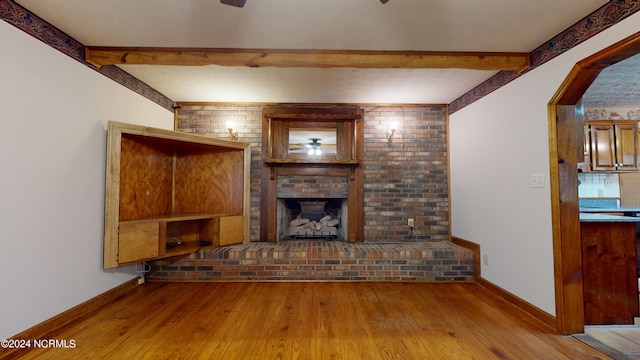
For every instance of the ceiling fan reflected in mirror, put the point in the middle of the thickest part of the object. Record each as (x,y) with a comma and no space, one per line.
(314,147)
(240,3)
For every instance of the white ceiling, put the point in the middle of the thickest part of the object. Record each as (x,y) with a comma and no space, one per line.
(616,86)
(415,25)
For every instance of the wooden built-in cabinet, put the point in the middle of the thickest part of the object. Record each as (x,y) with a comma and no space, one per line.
(169,193)
(612,145)
(609,272)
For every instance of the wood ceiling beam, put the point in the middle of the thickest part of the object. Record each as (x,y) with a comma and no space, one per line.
(100,56)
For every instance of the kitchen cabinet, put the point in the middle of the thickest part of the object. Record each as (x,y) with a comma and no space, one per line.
(609,269)
(169,193)
(612,145)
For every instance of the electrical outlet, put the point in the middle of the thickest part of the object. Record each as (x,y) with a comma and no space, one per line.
(609,182)
(537,180)
(485,259)
(410,222)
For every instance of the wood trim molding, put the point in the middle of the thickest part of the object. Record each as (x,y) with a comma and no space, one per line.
(100,56)
(585,71)
(477,267)
(48,327)
(524,305)
(563,142)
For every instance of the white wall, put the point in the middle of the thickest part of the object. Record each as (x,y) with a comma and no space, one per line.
(52,156)
(497,143)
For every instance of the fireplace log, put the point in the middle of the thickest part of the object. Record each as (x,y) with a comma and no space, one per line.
(297,229)
(298,222)
(304,227)
(303,232)
(333,222)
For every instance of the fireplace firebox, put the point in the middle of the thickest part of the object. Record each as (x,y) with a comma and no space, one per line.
(301,219)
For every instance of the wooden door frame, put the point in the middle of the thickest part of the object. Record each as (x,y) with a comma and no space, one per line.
(565,134)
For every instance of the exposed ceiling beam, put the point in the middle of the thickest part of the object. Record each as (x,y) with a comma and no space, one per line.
(100,56)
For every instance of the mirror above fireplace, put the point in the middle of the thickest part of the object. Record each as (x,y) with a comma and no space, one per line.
(311,135)
(312,141)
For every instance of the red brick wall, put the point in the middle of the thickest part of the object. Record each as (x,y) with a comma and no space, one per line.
(404,179)
(330,260)
(313,186)
(407,178)
(211,119)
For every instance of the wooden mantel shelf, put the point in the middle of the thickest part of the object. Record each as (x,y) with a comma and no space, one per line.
(311,161)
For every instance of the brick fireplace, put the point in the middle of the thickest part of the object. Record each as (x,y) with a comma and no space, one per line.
(404,179)
(317,219)
(390,183)
(293,178)
(312,207)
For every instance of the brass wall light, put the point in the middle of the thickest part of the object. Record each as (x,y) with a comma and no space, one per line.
(391,132)
(233,132)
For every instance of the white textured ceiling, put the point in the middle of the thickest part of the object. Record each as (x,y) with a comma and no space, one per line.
(616,86)
(416,25)
(341,85)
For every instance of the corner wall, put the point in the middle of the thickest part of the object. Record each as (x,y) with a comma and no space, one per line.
(497,143)
(52,150)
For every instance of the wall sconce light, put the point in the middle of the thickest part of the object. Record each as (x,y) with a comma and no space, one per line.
(393,125)
(390,134)
(233,133)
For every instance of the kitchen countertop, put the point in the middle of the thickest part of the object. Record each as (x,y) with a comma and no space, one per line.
(628,211)
(585,217)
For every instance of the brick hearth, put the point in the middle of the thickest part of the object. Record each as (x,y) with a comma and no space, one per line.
(320,260)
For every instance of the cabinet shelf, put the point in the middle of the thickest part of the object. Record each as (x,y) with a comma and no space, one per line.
(178,217)
(187,248)
(310,161)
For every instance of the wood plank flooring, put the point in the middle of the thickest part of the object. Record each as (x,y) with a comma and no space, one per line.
(617,341)
(313,320)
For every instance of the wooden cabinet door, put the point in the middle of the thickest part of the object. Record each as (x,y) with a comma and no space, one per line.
(609,273)
(613,145)
(626,136)
(231,230)
(138,241)
(602,141)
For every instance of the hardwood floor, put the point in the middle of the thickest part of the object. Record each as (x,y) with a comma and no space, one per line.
(617,341)
(313,320)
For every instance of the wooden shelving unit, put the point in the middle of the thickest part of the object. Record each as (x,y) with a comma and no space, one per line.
(169,193)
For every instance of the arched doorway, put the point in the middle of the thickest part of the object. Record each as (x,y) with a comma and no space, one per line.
(565,129)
